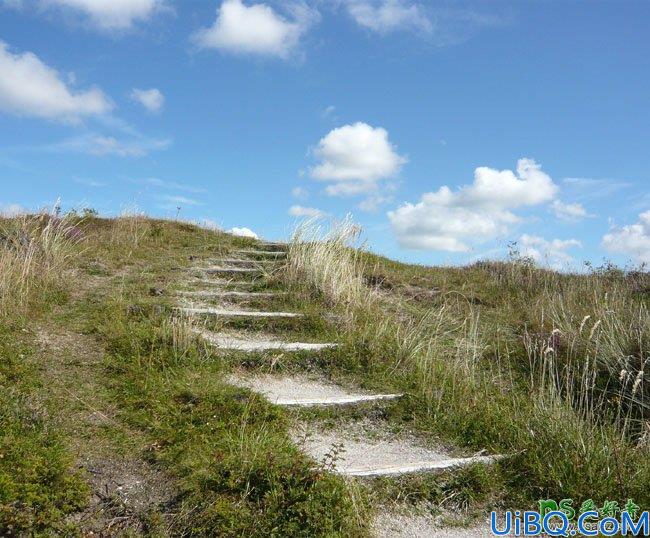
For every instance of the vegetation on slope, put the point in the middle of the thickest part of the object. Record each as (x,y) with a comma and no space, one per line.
(506,357)
(503,356)
(155,400)
(37,483)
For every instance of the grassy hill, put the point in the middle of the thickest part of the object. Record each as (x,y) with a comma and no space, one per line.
(116,418)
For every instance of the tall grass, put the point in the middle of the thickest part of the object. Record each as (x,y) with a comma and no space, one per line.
(37,484)
(130,228)
(594,349)
(573,381)
(325,262)
(34,252)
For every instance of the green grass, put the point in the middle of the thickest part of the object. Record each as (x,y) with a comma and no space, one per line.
(237,469)
(492,356)
(230,462)
(38,487)
(469,348)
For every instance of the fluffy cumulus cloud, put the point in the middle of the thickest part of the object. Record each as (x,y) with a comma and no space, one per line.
(569,211)
(552,253)
(386,16)
(354,158)
(243,232)
(29,87)
(153,99)
(257,29)
(111,15)
(302,211)
(632,240)
(454,220)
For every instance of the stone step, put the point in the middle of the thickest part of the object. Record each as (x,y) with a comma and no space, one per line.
(220,282)
(269,253)
(370,457)
(299,391)
(217,269)
(258,343)
(228,312)
(239,262)
(206,294)
(274,246)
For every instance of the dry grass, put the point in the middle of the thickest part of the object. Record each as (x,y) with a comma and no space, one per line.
(595,350)
(239,472)
(130,228)
(325,262)
(34,251)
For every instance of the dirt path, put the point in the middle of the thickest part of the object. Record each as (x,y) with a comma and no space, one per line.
(127,492)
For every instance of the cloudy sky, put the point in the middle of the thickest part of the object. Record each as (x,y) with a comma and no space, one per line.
(447,128)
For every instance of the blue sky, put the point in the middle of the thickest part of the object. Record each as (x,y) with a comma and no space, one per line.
(447,129)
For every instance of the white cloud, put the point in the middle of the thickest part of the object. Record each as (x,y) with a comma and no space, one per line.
(385,16)
(153,99)
(256,29)
(180,201)
(174,185)
(100,145)
(243,232)
(28,87)
(300,192)
(328,111)
(552,253)
(569,211)
(109,145)
(111,15)
(440,23)
(355,158)
(302,211)
(590,188)
(374,201)
(632,240)
(12,210)
(452,221)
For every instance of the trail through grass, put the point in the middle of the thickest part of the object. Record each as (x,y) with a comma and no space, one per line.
(118,420)
(102,383)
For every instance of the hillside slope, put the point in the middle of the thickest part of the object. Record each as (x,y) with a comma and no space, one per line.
(122,413)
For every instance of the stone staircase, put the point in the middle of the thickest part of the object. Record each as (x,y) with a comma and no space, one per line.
(361,451)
